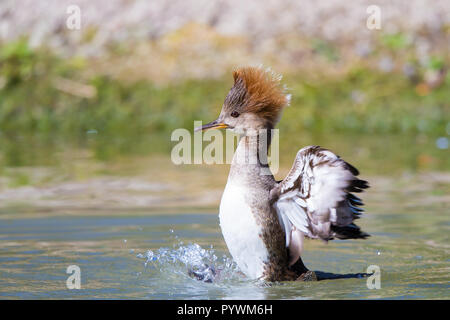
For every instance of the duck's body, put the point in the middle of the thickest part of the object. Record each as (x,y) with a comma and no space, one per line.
(249,223)
(241,228)
(264,221)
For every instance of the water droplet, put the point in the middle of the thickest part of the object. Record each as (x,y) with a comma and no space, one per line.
(149,255)
(442,143)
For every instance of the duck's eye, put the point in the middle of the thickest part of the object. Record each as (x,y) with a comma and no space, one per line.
(235,114)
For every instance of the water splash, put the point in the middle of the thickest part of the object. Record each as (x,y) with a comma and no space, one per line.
(191,261)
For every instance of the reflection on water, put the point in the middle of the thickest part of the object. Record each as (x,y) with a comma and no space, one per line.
(149,256)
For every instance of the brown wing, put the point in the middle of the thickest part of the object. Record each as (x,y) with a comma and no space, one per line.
(316,200)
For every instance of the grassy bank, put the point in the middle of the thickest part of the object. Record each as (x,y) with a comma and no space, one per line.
(49,104)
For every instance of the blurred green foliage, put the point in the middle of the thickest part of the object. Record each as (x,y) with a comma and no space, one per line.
(395,41)
(129,117)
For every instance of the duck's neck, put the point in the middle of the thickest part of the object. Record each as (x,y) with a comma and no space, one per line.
(250,161)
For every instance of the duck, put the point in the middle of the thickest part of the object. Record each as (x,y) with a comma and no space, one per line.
(264,222)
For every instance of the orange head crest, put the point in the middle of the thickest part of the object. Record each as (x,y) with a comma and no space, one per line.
(257,91)
(255,101)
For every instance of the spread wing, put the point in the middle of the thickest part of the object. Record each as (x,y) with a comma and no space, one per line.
(315,199)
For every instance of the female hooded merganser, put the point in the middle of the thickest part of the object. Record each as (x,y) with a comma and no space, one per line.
(264,221)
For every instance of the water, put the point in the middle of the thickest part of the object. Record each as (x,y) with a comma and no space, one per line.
(134,255)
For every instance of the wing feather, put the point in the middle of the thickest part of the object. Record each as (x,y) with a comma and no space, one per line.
(315,197)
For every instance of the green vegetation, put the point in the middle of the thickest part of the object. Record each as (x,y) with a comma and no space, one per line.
(48,103)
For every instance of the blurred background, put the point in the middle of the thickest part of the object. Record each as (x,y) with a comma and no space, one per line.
(90,92)
(84,109)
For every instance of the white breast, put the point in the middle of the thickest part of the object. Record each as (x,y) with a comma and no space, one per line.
(241,233)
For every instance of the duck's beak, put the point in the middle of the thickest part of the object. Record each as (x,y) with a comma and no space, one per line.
(212,125)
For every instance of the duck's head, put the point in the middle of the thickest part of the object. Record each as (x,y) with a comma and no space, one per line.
(254,102)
